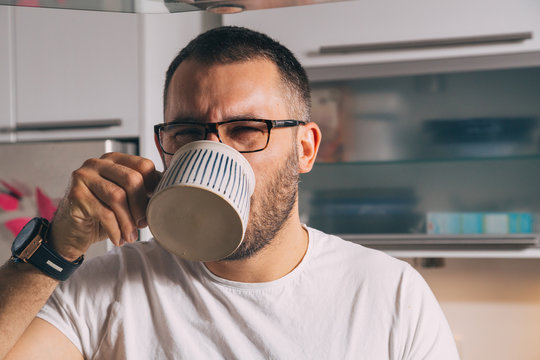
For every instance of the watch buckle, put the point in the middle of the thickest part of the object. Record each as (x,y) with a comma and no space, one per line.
(33,245)
(31,248)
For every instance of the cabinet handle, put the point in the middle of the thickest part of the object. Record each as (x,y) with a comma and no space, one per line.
(68,125)
(430,43)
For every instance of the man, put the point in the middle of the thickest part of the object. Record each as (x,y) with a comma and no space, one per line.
(290,292)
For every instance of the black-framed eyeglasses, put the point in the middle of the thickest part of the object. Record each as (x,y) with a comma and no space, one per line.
(244,135)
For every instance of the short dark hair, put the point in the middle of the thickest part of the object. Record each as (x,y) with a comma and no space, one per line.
(229,44)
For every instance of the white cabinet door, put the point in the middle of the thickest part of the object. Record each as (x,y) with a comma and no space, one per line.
(6,65)
(77,74)
(380,31)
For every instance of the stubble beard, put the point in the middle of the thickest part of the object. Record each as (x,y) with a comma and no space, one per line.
(270,209)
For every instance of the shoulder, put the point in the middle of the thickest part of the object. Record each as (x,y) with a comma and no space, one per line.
(393,291)
(364,270)
(352,257)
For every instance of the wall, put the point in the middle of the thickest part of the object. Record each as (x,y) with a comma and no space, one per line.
(492,305)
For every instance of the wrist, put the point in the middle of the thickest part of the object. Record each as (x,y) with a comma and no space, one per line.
(31,246)
(54,240)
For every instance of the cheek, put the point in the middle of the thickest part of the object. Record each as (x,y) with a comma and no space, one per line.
(261,176)
(263,170)
(267,163)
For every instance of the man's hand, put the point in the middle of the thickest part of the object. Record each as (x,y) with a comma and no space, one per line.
(107,198)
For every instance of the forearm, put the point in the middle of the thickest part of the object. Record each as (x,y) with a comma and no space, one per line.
(23,292)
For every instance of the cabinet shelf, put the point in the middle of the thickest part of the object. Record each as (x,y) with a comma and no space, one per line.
(429,160)
(445,241)
(523,253)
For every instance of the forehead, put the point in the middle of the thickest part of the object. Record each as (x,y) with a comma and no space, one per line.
(218,92)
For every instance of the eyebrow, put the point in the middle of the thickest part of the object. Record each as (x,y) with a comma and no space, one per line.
(181,119)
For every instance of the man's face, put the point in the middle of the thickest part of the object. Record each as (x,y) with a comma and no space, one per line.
(244,90)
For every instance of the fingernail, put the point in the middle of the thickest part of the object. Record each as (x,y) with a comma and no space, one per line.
(142,223)
(121,242)
(134,236)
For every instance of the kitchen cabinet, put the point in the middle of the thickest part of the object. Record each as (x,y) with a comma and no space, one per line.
(387,31)
(398,148)
(6,65)
(77,74)
(426,108)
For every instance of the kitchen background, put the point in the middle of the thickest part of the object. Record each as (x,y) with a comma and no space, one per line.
(430,152)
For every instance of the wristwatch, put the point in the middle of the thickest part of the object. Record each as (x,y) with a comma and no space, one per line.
(30,246)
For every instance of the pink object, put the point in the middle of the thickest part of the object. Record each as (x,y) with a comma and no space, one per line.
(8,202)
(45,205)
(16,225)
(12,189)
(28,2)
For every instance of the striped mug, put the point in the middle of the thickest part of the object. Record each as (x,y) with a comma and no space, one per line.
(200,208)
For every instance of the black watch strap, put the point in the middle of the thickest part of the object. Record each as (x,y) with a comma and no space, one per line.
(52,264)
(46,259)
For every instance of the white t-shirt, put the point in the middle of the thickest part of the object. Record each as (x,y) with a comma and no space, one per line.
(343,301)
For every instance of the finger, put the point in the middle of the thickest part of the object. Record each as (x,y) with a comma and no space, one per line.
(105,216)
(114,197)
(109,224)
(132,183)
(150,178)
(81,219)
(131,180)
(145,167)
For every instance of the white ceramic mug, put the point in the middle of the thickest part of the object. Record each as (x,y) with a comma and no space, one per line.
(200,208)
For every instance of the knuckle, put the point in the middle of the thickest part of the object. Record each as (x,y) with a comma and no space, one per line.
(117,194)
(90,163)
(108,155)
(134,180)
(145,165)
(79,173)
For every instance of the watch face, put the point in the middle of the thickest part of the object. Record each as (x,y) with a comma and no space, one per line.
(28,232)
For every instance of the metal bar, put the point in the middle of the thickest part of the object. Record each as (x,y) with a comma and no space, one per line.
(68,125)
(430,43)
(466,240)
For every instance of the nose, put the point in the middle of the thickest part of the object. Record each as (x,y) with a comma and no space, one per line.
(212,136)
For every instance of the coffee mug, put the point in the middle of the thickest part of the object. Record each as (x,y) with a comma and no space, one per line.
(200,208)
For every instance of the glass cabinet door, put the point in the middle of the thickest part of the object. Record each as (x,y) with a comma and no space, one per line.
(443,160)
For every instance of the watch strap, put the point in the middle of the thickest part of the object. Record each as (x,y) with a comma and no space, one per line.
(51,263)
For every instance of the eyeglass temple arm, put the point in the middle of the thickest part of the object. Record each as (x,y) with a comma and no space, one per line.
(286,123)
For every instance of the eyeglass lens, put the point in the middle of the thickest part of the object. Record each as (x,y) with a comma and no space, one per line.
(240,135)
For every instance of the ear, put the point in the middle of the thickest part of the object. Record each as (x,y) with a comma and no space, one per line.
(156,141)
(309,139)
